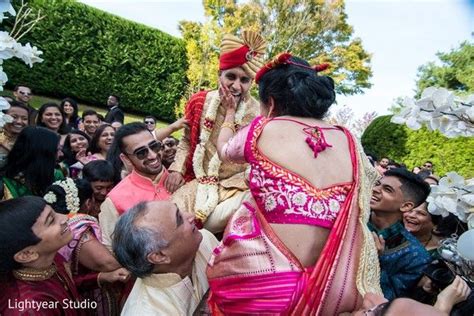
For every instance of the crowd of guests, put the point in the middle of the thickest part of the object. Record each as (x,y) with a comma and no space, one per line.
(101,217)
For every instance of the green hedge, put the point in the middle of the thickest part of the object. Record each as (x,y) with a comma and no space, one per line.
(402,144)
(89,54)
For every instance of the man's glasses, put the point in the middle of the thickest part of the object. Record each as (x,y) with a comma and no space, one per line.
(149,122)
(428,166)
(142,152)
(24,93)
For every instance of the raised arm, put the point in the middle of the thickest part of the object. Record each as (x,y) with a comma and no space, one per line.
(162,133)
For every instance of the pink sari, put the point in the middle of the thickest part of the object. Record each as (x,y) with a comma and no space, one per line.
(253,272)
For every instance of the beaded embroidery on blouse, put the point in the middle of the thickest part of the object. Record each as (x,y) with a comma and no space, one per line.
(285,197)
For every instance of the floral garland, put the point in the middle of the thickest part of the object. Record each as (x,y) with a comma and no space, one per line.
(72,195)
(207,195)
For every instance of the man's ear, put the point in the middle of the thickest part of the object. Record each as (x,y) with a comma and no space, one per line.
(125,159)
(407,206)
(158,258)
(26,255)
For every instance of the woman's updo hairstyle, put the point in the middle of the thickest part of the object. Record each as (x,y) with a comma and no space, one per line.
(295,87)
(66,196)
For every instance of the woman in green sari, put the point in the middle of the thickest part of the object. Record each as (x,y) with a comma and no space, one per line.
(31,164)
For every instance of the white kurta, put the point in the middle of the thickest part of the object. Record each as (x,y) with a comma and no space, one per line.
(168,294)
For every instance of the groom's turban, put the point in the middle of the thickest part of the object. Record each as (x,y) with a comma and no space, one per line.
(246,52)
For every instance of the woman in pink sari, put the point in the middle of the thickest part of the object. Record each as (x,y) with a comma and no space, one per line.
(300,244)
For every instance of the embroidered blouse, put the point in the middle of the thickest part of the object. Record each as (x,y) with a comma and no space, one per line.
(282,195)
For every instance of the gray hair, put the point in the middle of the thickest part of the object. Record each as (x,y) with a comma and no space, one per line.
(132,244)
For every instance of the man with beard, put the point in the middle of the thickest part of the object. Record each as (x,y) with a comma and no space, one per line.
(213,191)
(141,151)
(402,257)
(170,145)
(115,114)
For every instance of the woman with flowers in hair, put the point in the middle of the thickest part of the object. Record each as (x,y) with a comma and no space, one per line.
(300,244)
(94,268)
(210,188)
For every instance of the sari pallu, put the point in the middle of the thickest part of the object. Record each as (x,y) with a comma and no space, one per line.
(252,272)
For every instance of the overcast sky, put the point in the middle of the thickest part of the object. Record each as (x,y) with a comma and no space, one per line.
(401,35)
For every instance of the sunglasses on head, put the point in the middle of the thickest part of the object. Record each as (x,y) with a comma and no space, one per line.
(142,152)
(149,122)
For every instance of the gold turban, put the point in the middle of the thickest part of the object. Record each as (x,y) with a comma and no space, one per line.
(246,52)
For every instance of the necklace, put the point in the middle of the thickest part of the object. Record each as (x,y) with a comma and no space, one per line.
(31,274)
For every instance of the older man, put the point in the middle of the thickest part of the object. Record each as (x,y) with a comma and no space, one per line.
(213,190)
(163,248)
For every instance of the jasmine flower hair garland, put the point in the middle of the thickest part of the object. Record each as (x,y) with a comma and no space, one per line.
(72,195)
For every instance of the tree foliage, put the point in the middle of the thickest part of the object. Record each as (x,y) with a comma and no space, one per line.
(402,144)
(89,54)
(316,30)
(455,71)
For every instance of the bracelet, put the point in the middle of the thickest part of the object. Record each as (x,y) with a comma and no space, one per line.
(229,125)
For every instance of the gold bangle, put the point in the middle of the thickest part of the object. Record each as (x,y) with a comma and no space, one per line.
(229,125)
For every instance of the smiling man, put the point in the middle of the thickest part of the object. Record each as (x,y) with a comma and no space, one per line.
(161,246)
(141,151)
(219,187)
(24,95)
(402,257)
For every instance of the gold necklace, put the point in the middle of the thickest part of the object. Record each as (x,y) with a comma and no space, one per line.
(31,274)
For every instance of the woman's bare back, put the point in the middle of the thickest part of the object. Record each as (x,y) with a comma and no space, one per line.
(283,142)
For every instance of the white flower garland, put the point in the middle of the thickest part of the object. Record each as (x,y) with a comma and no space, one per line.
(50,197)
(72,195)
(207,195)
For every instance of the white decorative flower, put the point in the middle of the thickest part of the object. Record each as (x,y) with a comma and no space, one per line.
(470,221)
(439,109)
(450,180)
(299,199)
(3,78)
(7,46)
(270,203)
(6,6)
(28,54)
(453,195)
(4,118)
(4,105)
(50,197)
